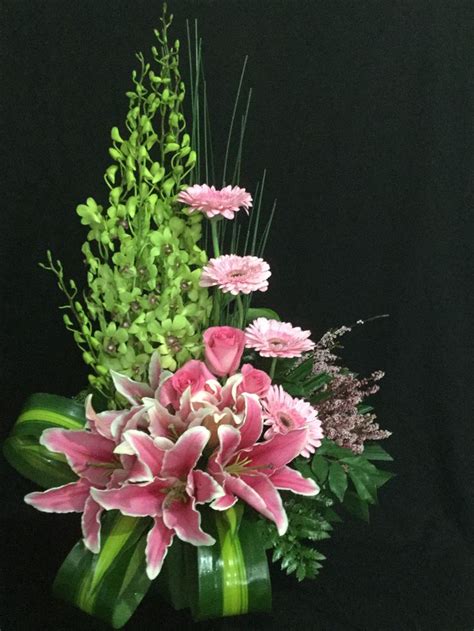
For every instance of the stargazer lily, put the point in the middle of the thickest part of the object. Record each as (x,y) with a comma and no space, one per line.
(90,454)
(92,458)
(255,473)
(168,489)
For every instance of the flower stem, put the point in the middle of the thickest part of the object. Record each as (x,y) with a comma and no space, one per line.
(240,307)
(272,367)
(216,307)
(215,238)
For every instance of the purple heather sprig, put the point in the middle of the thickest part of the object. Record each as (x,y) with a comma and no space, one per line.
(339,415)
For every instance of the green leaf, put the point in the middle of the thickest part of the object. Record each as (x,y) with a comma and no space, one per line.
(337,480)
(23,450)
(230,577)
(355,506)
(332,516)
(303,466)
(381,477)
(261,312)
(112,583)
(295,389)
(302,371)
(36,463)
(320,467)
(307,523)
(376,452)
(329,448)
(362,408)
(364,482)
(317,382)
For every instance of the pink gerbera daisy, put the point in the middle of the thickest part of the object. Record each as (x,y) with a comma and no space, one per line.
(212,202)
(284,413)
(236,274)
(272,338)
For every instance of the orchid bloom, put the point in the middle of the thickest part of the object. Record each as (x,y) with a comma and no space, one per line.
(167,489)
(255,473)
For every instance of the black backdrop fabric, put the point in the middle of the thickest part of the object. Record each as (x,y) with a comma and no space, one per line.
(363,115)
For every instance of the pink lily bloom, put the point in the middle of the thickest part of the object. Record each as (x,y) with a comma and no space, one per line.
(138,394)
(254,474)
(168,489)
(90,454)
(210,406)
(92,458)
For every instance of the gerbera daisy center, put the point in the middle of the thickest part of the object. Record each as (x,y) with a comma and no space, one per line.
(285,420)
(276,342)
(238,273)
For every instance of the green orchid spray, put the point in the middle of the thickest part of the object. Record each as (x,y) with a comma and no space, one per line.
(142,251)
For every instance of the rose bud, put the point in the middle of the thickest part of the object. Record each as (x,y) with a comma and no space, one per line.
(254,381)
(223,349)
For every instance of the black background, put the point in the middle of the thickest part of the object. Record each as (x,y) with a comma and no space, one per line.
(363,115)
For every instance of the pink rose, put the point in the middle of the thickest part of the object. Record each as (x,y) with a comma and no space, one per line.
(254,381)
(223,348)
(194,373)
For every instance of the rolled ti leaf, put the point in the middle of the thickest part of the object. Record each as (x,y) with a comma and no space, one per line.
(22,448)
(226,579)
(111,584)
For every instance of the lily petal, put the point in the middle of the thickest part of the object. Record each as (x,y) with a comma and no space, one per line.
(136,418)
(292,480)
(154,371)
(100,423)
(229,391)
(161,420)
(229,440)
(239,487)
(158,541)
(69,498)
(183,456)
(262,485)
(251,428)
(185,520)
(85,452)
(278,451)
(146,451)
(136,500)
(90,523)
(133,391)
(205,488)
(224,502)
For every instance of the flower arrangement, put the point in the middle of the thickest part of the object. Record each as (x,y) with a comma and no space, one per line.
(211,431)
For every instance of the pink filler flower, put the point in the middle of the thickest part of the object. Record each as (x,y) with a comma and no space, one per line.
(236,274)
(212,202)
(271,338)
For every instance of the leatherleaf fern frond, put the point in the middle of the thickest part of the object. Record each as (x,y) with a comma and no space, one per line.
(309,521)
(142,251)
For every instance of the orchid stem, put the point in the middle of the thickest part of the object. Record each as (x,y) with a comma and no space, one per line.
(272,367)
(240,307)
